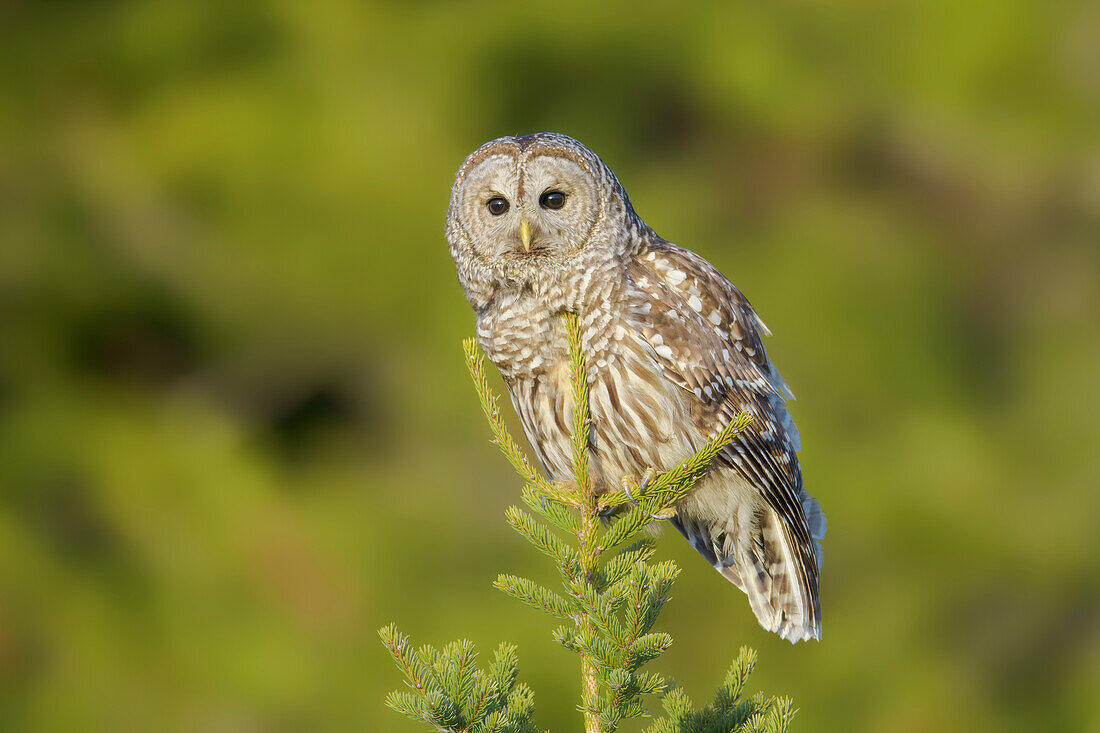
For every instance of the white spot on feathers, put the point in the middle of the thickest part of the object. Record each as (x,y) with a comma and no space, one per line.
(695,303)
(664,351)
(715,317)
(677,276)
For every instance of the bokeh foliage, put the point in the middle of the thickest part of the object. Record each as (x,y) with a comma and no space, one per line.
(235,437)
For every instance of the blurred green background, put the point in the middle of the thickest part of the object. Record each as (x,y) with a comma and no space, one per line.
(237,436)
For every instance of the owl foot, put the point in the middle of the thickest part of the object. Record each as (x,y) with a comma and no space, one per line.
(650,474)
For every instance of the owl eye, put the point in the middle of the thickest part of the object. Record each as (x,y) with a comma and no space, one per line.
(552,200)
(497,205)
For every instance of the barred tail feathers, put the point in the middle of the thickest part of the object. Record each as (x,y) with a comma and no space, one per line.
(760,556)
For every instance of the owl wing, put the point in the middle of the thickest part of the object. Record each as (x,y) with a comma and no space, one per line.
(705,336)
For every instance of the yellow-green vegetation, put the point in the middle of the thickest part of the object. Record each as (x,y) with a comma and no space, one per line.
(236,439)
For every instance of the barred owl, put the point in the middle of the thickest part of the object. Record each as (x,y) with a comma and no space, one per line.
(539,225)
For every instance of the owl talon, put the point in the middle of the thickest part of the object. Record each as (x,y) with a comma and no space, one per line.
(649,474)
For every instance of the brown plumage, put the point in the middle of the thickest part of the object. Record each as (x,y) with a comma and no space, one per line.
(538,226)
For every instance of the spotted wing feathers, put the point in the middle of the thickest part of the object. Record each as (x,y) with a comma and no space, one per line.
(753,520)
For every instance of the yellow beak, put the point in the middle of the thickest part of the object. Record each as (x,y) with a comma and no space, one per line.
(525,235)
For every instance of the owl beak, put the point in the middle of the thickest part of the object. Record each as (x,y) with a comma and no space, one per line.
(525,235)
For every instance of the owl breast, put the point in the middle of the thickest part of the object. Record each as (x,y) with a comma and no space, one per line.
(640,419)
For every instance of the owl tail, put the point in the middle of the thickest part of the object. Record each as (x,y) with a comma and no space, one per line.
(775,570)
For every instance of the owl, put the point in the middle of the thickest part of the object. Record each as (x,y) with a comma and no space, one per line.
(538,226)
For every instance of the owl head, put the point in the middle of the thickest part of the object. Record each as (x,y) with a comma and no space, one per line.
(523,209)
